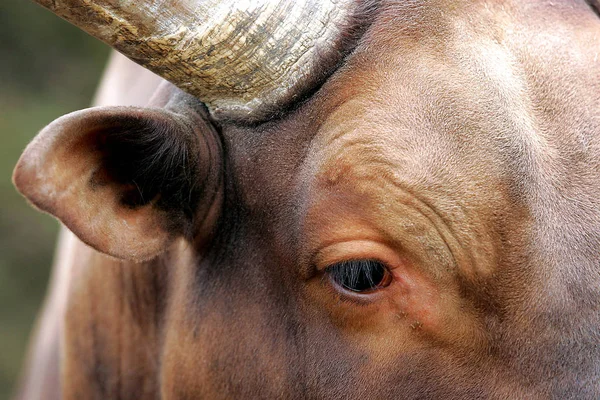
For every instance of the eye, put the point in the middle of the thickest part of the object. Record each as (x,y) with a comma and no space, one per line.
(360,276)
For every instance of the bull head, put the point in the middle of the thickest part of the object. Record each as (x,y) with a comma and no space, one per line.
(424,225)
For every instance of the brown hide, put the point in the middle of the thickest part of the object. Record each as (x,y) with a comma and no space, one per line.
(459,144)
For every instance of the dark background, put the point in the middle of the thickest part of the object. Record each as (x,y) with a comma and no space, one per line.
(47,68)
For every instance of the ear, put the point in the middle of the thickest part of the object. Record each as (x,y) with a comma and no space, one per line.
(127,181)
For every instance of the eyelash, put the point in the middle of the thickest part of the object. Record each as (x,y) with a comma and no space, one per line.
(359,277)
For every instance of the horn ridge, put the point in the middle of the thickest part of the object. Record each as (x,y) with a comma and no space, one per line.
(242,58)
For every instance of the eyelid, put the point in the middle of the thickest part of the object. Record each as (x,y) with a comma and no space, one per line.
(356,250)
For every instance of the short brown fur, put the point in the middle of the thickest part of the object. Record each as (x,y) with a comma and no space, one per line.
(459,139)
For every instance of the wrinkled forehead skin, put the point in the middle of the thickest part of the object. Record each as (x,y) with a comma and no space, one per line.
(464,135)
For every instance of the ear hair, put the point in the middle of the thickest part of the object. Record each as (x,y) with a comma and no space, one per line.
(157,161)
(126,180)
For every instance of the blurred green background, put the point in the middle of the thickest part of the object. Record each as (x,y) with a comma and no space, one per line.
(47,68)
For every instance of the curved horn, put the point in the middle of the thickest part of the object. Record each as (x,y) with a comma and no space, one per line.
(242,58)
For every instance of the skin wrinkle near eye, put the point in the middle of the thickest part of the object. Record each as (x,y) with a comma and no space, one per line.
(342,147)
(383,171)
(389,240)
(357,249)
(443,230)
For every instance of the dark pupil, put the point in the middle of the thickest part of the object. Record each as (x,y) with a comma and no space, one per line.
(358,275)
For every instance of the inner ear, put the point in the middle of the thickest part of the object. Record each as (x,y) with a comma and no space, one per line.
(151,161)
(127,181)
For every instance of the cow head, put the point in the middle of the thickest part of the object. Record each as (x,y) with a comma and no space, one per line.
(412,213)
